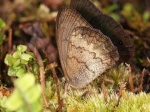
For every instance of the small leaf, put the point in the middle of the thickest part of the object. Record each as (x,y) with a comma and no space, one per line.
(17,54)
(24,62)
(2,37)
(9,60)
(30,53)
(21,48)
(35,69)
(36,106)
(16,63)
(20,72)
(34,93)
(115,16)
(146,16)
(26,57)
(24,108)
(2,24)
(26,82)
(14,102)
(17,67)
(2,101)
(11,71)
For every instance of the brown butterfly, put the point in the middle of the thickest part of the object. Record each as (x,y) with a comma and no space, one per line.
(85,51)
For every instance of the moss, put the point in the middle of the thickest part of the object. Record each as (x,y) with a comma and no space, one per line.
(91,100)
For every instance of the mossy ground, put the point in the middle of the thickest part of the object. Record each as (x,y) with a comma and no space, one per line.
(91,98)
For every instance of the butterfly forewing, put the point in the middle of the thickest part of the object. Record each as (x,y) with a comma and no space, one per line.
(86,8)
(89,54)
(67,20)
(108,26)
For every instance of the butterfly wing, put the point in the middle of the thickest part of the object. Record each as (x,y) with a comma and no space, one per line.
(67,20)
(89,54)
(87,9)
(108,26)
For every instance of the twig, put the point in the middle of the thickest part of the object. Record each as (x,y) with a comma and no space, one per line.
(10,40)
(52,66)
(148,59)
(122,86)
(104,91)
(131,81)
(141,81)
(42,72)
(130,78)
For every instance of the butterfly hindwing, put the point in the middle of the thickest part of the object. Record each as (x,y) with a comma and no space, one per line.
(89,54)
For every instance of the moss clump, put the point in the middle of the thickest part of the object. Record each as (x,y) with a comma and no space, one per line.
(92,100)
(134,103)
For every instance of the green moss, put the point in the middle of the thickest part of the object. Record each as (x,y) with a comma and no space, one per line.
(90,99)
(134,103)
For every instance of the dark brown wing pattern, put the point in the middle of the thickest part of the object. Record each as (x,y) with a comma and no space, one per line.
(108,26)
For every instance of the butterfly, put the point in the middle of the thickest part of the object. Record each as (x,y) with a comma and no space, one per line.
(89,42)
